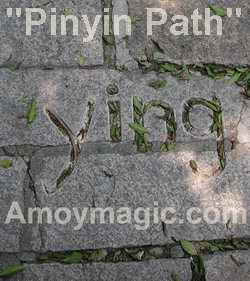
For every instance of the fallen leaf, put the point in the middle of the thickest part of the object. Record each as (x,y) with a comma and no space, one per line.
(32,112)
(138,128)
(217,10)
(11,270)
(193,166)
(188,247)
(75,257)
(6,164)
(82,60)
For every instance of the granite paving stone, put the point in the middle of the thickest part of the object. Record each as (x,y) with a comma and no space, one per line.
(41,49)
(12,188)
(148,181)
(232,47)
(68,92)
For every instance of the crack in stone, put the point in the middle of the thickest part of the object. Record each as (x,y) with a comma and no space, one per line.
(109,45)
(31,186)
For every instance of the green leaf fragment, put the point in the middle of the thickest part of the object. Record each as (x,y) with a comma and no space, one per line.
(214,248)
(236,77)
(188,247)
(23,99)
(12,67)
(135,19)
(31,112)
(67,12)
(165,147)
(43,258)
(220,76)
(242,70)
(138,106)
(82,60)
(210,72)
(217,10)
(247,77)
(198,269)
(138,128)
(75,257)
(11,270)
(6,164)
(168,67)
(158,84)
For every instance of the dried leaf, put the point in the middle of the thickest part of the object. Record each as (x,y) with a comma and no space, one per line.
(194,166)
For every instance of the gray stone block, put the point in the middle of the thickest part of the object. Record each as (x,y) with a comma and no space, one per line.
(67,92)
(41,48)
(232,47)
(123,56)
(157,270)
(8,260)
(150,270)
(51,272)
(139,181)
(228,266)
(12,186)
(177,92)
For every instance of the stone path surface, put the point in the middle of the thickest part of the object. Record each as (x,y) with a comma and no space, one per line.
(232,47)
(43,50)
(66,141)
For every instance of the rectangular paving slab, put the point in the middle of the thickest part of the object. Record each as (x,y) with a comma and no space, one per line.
(43,49)
(69,94)
(232,47)
(52,272)
(222,267)
(154,181)
(230,266)
(160,270)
